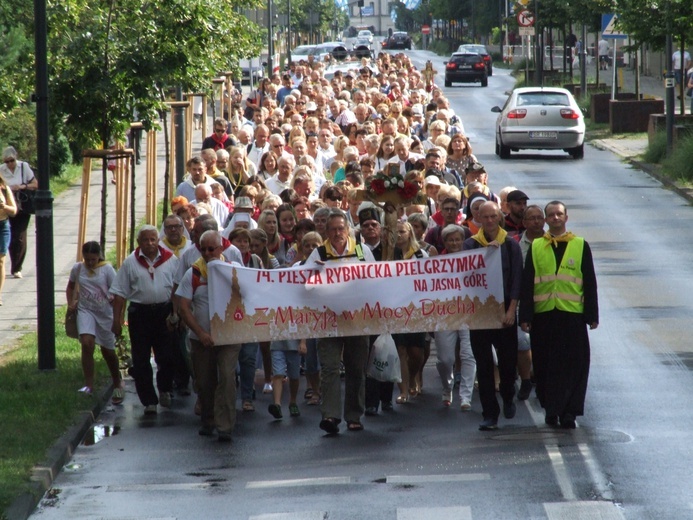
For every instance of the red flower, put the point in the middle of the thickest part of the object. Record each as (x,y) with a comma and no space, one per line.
(378,186)
(409,190)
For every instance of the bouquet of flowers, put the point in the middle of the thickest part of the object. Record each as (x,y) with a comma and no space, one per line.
(380,184)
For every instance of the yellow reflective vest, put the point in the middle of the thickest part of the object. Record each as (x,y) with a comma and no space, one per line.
(560,289)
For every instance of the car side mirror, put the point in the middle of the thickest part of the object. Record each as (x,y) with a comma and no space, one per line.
(498,110)
(445,63)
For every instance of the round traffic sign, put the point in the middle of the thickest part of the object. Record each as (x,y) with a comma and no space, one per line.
(525,18)
(425,29)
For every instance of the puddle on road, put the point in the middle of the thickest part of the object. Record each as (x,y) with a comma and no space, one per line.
(99,432)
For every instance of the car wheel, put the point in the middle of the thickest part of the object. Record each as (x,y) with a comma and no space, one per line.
(448,83)
(490,71)
(504,151)
(497,146)
(578,152)
(484,81)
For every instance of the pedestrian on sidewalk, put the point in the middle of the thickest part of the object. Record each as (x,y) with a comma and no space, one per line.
(88,292)
(8,208)
(20,178)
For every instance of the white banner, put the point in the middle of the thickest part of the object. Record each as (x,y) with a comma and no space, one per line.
(350,299)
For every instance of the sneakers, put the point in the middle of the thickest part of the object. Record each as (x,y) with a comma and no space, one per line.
(525,389)
(293,410)
(150,409)
(267,389)
(509,409)
(488,425)
(447,398)
(466,406)
(371,411)
(85,390)
(18,274)
(165,399)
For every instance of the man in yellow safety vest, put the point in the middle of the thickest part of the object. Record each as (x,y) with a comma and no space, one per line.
(558,302)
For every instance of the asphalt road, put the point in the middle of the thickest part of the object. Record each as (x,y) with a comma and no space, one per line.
(629,458)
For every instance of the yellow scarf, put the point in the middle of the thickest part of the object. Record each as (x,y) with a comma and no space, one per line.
(176,249)
(565,237)
(500,237)
(409,254)
(92,272)
(349,250)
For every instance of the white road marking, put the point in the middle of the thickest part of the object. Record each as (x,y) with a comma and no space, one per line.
(602,484)
(324,481)
(183,486)
(416,479)
(439,513)
(559,469)
(301,515)
(583,511)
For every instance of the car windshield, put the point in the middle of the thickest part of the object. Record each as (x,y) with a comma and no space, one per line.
(543,99)
(479,49)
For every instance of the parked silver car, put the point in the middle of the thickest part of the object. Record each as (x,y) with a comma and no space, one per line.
(540,118)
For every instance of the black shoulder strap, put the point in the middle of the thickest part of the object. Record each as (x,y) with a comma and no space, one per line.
(322,251)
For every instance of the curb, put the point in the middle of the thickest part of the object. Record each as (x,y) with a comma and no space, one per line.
(653,170)
(59,454)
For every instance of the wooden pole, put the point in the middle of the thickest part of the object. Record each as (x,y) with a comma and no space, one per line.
(150,199)
(83,206)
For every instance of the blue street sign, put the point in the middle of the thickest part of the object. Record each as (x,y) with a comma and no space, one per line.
(610,29)
(367,10)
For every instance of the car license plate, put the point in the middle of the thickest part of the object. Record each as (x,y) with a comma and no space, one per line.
(543,135)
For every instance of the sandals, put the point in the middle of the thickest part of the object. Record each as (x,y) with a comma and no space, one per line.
(118,395)
(275,411)
(402,399)
(354,426)
(330,425)
(314,401)
(248,406)
(308,394)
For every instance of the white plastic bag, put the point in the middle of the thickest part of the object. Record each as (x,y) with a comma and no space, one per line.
(383,364)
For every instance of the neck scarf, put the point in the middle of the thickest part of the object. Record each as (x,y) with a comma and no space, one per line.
(176,249)
(92,272)
(410,253)
(481,238)
(219,141)
(565,237)
(349,250)
(164,255)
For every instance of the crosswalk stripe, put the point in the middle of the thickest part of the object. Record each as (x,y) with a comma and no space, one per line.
(463,477)
(301,515)
(439,513)
(582,511)
(324,481)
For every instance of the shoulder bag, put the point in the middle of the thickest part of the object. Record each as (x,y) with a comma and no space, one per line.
(26,198)
(71,315)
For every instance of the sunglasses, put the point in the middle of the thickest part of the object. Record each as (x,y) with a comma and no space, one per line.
(219,130)
(8,161)
(300,102)
(335,199)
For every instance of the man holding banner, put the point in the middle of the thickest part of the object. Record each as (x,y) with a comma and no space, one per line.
(505,338)
(352,350)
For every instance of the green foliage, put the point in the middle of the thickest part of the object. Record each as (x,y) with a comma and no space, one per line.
(680,164)
(113,58)
(59,153)
(16,64)
(18,129)
(657,150)
(443,47)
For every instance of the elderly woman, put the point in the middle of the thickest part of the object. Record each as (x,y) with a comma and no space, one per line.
(411,346)
(19,178)
(8,208)
(453,238)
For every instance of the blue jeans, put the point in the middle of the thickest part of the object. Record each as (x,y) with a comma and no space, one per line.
(246,361)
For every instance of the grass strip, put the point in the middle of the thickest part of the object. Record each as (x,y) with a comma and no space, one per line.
(36,407)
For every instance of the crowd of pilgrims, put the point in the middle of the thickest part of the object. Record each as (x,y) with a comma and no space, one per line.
(297,150)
